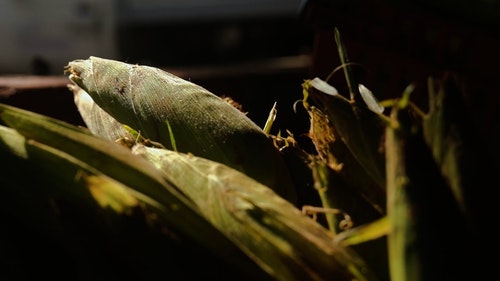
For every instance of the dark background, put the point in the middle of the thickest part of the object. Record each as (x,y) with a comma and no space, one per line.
(260,58)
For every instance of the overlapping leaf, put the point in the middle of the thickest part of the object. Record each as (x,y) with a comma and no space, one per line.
(288,244)
(109,175)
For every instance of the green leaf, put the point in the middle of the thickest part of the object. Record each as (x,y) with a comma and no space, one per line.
(365,232)
(138,174)
(452,137)
(427,229)
(286,243)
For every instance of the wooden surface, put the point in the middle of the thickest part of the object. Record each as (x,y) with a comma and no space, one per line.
(47,95)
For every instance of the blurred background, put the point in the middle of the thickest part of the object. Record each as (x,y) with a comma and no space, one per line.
(42,36)
(255,51)
(251,50)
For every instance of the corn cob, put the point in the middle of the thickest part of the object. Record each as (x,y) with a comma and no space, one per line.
(162,107)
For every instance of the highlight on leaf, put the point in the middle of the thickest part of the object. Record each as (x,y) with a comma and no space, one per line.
(270,119)
(323,86)
(370,99)
(109,193)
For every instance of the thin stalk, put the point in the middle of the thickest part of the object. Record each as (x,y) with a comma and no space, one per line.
(344,60)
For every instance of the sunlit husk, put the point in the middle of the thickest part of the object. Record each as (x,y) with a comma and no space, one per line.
(97,120)
(286,243)
(151,100)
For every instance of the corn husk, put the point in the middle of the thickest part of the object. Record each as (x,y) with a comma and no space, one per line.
(450,134)
(97,120)
(349,174)
(428,237)
(165,108)
(358,127)
(67,158)
(282,240)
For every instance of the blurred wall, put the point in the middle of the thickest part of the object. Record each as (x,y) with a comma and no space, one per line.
(40,37)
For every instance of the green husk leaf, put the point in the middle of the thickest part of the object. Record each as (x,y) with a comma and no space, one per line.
(105,191)
(108,193)
(126,235)
(427,229)
(286,243)
(120,164)
(97,120)
(450,134)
